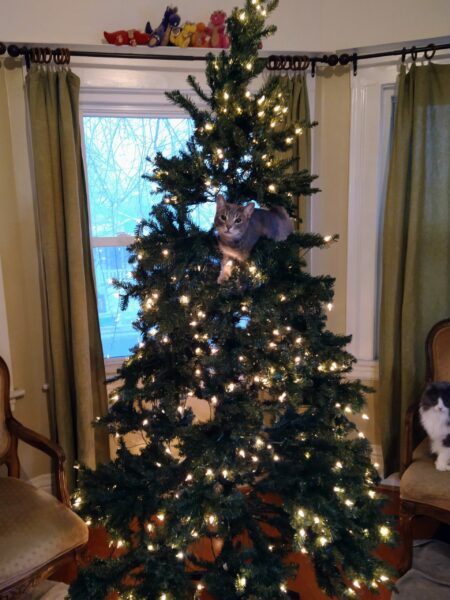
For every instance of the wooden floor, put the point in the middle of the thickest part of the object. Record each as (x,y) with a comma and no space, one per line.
(305,584)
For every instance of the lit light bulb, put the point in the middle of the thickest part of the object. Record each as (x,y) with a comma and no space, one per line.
(385,531)
(226,95)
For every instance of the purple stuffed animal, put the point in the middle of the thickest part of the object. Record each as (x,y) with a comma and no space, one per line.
(161,34)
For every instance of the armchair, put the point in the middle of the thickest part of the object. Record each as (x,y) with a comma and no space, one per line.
(38,532)
(423,489)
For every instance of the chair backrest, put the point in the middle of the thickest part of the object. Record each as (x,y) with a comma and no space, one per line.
(5,411)
(438,352)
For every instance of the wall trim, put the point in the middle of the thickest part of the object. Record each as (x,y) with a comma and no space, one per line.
(366,370)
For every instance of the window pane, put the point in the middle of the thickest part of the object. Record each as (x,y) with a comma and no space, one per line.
(116,151)
(118,334)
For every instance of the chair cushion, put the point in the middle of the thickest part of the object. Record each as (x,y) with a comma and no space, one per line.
(422,482)
(35,529)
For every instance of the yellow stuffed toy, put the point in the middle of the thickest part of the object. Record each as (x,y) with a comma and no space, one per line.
(181,36)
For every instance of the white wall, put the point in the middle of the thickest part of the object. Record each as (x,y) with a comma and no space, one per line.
(309,25)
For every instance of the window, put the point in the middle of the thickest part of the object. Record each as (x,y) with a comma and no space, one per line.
(116,150)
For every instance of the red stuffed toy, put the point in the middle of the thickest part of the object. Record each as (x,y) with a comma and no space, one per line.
(219,39)
(132,37)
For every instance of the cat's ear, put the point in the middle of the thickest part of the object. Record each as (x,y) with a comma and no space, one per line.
(248,210)
(220,202)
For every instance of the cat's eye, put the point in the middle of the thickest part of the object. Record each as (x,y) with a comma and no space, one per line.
(223,217)
(238,220)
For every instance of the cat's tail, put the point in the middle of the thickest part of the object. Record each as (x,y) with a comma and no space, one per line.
(287,226)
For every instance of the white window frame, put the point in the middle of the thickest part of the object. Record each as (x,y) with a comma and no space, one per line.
(132,88)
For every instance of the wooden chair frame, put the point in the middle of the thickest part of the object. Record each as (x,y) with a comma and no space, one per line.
(414,433)
(17,432)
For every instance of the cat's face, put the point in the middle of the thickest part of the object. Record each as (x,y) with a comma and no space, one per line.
(437,398)
(231,220)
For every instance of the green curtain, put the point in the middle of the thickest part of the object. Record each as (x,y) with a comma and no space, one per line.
(296,94)
(75,358)
(416,244)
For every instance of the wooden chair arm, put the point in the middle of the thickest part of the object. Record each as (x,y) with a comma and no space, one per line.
(408,445)
(49,447)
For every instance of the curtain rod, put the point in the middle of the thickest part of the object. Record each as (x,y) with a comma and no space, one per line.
(274,62)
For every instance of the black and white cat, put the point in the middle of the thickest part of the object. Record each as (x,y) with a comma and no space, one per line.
(435,418)
(240,227)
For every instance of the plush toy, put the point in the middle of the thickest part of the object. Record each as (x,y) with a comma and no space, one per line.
(201,37)
(181,36)
(219,39)
(132,37)
(160,35)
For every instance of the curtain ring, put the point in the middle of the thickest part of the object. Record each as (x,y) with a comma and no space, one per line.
(432,49)
(413,53)
(35,55)
(403,54)
(313,67)
(58,57)
(47,55)
(305,62)
(67,56)
(296,64)
(271,62)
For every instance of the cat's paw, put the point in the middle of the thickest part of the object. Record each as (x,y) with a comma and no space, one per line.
(442,465)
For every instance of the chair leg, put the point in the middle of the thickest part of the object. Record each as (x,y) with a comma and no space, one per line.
(406,533)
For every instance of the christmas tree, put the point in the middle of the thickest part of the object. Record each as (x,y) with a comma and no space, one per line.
(220,505)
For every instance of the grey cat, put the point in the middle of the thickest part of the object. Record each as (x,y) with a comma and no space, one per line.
(240,227)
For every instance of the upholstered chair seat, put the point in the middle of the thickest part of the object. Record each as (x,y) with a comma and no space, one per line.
(423,483)
(36,529)
(38,532)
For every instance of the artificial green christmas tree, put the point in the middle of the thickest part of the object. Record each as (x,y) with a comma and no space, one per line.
(278,467)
